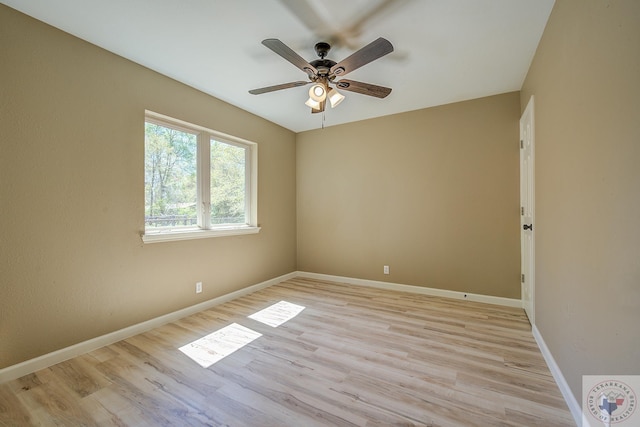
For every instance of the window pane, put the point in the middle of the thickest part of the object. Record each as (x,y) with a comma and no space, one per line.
(170,178)
(227,183)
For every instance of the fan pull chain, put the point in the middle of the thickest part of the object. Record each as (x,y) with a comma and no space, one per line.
(322,119)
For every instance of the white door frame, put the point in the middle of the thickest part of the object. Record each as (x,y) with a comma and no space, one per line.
(527,210)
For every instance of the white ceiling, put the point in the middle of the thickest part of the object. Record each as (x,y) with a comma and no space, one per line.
(445,50)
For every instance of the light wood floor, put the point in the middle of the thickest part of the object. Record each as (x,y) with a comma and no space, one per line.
(354,356)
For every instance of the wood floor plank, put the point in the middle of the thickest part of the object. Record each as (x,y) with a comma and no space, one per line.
(80,375)
(12,411)
(53,403)
(354,356)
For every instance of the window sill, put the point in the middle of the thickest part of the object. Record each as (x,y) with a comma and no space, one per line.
(170,236)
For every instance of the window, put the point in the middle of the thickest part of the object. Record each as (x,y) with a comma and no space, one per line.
(198,182)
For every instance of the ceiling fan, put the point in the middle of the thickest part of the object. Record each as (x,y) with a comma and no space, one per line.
(323,72)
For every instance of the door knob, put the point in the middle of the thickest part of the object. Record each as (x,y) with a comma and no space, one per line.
(527,227)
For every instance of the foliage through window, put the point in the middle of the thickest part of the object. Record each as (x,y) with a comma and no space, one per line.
(227,183)
(196,179)
(170,177)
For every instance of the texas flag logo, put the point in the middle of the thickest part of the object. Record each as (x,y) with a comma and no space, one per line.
(611,401)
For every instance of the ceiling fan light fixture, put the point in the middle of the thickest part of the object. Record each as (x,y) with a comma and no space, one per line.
(318,92)
(335,97)
(323,71)
(313,104)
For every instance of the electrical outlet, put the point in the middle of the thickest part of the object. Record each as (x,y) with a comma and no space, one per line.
(386,269)
(198,287)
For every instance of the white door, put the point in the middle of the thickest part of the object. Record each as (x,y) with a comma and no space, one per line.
(527,243)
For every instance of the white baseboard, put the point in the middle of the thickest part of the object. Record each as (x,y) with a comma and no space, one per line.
(569,398)
(16,371)
(509,302)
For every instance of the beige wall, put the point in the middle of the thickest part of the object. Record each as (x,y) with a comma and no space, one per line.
(586,80)
(431,193)
(72,264)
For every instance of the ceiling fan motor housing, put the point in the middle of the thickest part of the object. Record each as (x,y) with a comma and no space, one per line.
(323,66)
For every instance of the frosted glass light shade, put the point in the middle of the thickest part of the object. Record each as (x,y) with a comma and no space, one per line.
(318,92)
(313,104)
(335,97)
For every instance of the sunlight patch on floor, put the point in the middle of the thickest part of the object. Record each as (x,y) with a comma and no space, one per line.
(219,344)
(277,314)
(209,349)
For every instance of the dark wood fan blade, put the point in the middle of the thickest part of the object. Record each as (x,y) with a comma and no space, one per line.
(363,88)
(287,53)
(374,50)
(277,87)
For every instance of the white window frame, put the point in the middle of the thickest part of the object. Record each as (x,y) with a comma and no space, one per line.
(205,229)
